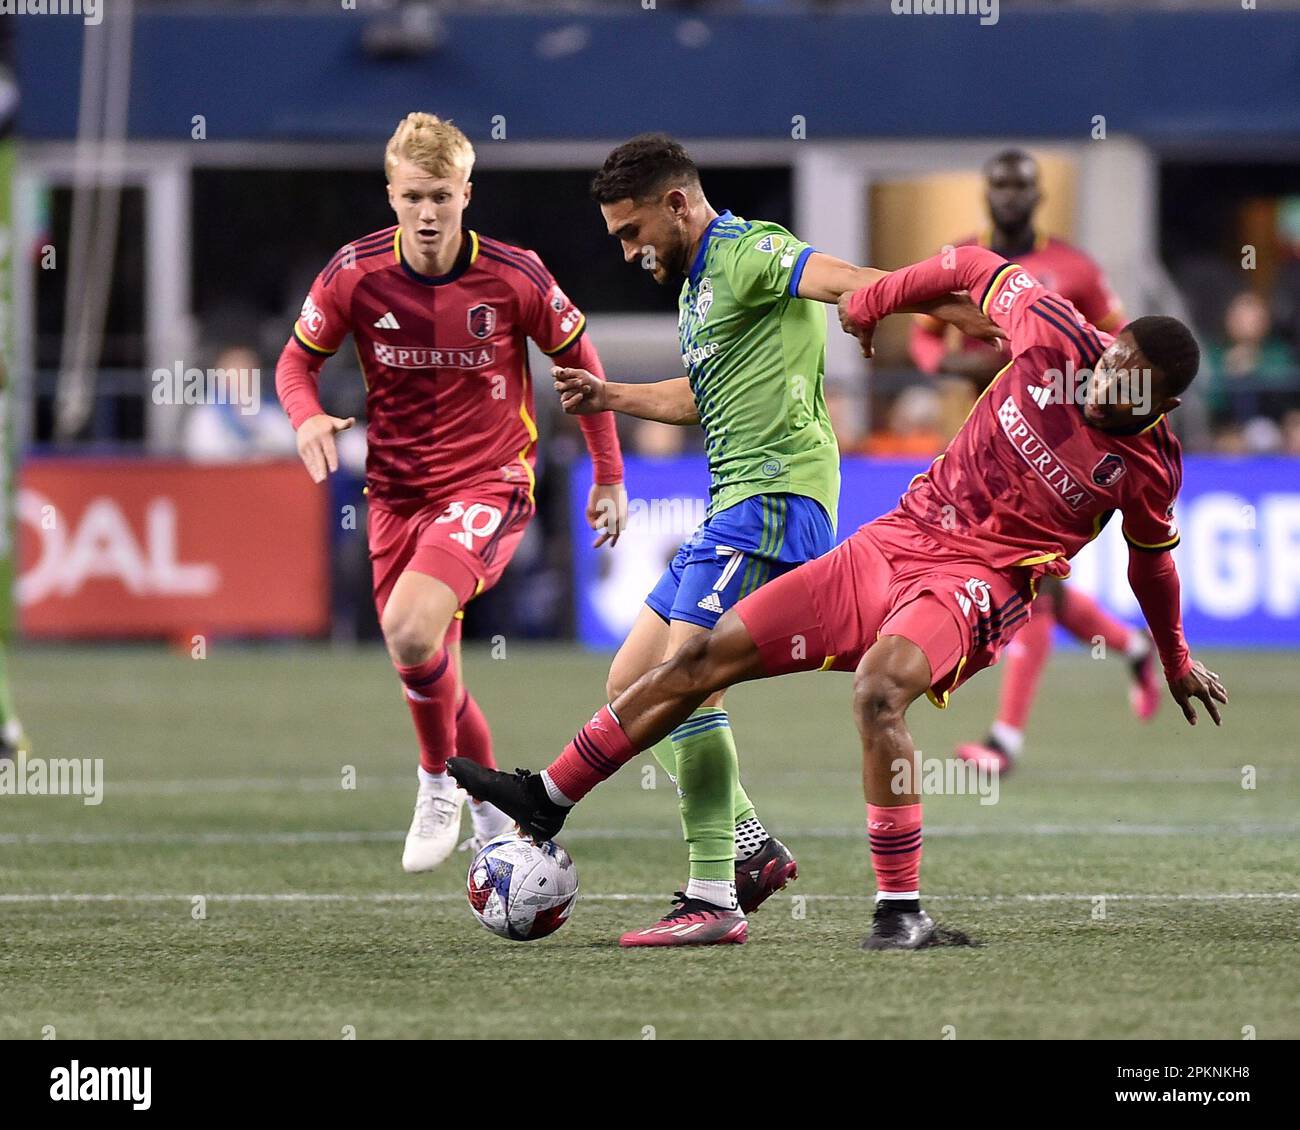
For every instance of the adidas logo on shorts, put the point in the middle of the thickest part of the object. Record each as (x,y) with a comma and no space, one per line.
(710,603)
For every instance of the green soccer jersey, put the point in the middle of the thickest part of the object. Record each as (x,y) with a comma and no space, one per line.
(755,354)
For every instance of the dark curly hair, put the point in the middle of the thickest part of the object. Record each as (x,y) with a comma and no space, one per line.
(643,166)
(1170,347)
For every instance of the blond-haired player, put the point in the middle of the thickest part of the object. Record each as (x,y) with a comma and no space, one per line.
(439,315)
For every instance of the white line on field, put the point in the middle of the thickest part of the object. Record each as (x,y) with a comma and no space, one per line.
(30,839)
(143,786)
(439,897)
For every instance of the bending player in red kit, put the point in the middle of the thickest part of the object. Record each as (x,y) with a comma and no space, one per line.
(439,316)
(920,599)
(1012,194)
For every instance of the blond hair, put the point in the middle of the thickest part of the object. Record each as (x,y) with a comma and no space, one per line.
(436,146)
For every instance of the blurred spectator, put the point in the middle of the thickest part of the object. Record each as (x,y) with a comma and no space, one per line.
(1291,432)
(845,410)
(1230,439)
(242,420)
(1262,436)
(913,425)
(1250,358)
(657,441)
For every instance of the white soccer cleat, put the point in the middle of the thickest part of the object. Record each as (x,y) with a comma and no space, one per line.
(435,825)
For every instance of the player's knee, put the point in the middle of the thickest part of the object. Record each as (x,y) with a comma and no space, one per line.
(692,669)
(887,683)
(617,681)
(879,699)
(411,639)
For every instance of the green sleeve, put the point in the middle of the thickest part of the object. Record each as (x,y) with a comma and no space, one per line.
(764,266)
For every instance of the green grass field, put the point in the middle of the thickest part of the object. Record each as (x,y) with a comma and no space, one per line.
(223,780)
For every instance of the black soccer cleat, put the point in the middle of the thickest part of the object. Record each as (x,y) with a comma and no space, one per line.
(521,796)
(893,929)
(764,873)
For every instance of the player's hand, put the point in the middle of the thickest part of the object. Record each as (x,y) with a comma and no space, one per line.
(1201,683)
(316,444)
(607,512)
(959,311)
(863,331)
(581,394)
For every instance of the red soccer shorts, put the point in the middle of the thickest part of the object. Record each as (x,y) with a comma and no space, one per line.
(888,579)
(465,538)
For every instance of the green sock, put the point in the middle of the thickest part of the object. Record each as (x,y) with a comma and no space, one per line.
(666,756)
(707,776)
(742,805)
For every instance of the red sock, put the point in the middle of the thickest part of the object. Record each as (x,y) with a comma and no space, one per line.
(1085,619)
(473,738)
(895,838)
(1026,654)
(598,751)
(431,694)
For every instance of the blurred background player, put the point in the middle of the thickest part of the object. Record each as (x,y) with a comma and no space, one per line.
(1013,194)
(748,321)
(439,316)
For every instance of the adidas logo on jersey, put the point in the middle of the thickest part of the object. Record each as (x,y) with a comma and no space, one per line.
(711,603)
(1042,395)
(387,322)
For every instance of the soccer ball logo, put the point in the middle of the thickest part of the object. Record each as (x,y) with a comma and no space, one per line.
(522,890)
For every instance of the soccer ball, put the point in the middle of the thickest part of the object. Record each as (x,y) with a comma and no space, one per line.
(522,890)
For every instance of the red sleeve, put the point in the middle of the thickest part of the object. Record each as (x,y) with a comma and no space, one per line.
(296,376)
(545,312)
(1154,582)
(1004,291)
(926,347)
(317,334)
(598,431)
(1149,522)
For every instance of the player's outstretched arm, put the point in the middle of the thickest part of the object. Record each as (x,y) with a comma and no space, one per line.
(1154,581)
(825,278)
(938,286)
(669,402)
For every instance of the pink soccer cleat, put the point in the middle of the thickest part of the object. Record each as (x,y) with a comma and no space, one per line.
(760,876)
(691,922)
(986,757)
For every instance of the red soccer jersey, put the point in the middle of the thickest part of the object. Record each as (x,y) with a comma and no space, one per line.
(1027,481)
(1060,267)
(449,401)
